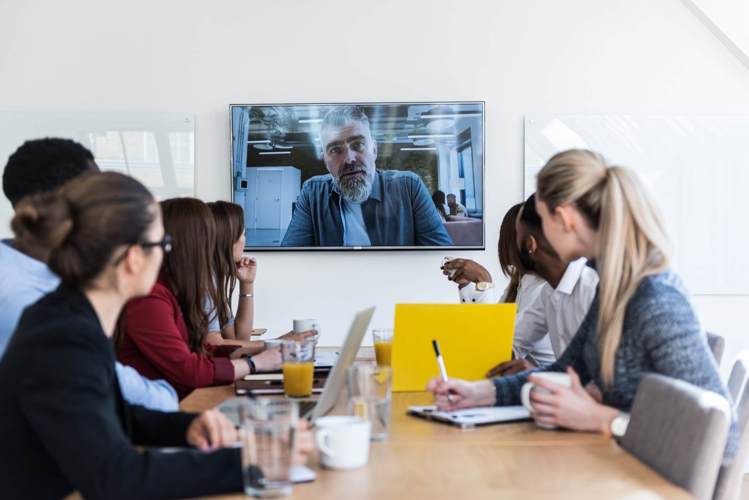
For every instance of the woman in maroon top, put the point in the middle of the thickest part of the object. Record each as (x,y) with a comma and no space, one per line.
(163,334)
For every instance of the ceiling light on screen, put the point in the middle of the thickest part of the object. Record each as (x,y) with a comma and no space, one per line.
(311,120)
(423,142)
(441,124)
(439,116)
(263,146)
(274,153)
(259,141)
(430,136)
(414,149)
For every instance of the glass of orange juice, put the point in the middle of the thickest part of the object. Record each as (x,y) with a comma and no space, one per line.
(298,359)
(383,344)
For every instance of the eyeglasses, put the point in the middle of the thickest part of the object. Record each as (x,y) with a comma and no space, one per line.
(165,243)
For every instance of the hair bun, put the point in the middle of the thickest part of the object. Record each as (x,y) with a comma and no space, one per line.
(43,221)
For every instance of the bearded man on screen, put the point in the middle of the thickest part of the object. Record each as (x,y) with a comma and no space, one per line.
(357,205)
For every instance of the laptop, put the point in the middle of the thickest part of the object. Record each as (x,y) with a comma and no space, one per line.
(472,417)
(334,383)
(313,410)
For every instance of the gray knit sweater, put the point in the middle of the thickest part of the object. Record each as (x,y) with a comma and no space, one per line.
(660,334)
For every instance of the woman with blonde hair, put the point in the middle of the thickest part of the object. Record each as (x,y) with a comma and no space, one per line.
(640,321)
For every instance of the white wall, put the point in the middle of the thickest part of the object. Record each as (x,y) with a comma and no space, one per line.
(635,56)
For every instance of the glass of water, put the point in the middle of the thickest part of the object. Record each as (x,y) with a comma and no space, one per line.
(370,392)
(268,432)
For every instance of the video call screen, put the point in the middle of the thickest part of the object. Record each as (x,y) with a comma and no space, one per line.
(360,175)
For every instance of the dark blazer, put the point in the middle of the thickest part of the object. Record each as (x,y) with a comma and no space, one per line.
(64,425)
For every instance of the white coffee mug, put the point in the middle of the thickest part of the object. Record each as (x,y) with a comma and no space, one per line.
(553,377)
(343,441)
(303,325)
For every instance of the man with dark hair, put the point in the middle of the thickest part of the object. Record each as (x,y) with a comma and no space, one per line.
(357,205)
(40,166)
(44,165)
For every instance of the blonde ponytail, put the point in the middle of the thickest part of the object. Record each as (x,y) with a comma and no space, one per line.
(632,242)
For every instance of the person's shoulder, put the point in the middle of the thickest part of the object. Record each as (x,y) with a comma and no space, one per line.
(318,181)
(664,285)
(316,188)
(658,295)
(51,323)
(10,256)
(399,176)
(160,289)
(7,250)
(160,294)
(531,287)
(587,283)
(530,280)
(13,261)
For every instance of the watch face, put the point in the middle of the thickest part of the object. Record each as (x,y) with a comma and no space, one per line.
(619,425)
(483,286)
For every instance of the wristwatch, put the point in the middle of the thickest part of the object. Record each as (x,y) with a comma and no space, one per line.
(619,425)
(251,364)
(483,286)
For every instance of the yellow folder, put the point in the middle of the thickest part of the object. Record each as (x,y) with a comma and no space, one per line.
(473,338)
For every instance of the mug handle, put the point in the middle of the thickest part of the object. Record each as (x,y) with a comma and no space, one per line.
(525,394)
(321,438)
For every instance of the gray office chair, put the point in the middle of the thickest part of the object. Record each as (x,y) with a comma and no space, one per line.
(680,431)
(717,346)
(731,474)
(738,377)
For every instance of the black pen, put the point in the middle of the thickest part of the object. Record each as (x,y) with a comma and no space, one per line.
(443,370)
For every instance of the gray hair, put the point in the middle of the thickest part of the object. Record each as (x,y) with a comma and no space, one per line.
(339,116)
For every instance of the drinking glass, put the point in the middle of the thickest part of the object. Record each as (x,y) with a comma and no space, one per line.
(298,359)
(383,345)
(268,433)
(370,393)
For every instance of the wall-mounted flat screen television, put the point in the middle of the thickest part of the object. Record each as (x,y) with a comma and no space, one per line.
(360,176)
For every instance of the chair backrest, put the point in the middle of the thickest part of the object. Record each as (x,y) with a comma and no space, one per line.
(738,377)
(731,475)
(717,346)
(680,431)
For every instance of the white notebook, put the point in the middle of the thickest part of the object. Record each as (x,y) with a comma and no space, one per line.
(472,417)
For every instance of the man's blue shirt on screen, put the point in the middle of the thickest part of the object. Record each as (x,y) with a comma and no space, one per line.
(398,212)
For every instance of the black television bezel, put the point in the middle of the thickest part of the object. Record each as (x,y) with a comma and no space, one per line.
(481,247)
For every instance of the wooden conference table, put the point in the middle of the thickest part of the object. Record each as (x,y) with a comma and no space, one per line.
(424,460)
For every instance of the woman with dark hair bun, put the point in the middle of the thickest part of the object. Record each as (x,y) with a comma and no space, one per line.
(63,422)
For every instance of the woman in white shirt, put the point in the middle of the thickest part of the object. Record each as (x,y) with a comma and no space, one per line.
(553,296)
(475,286)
